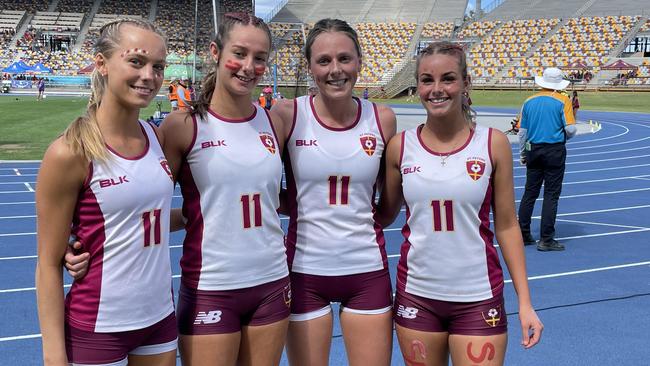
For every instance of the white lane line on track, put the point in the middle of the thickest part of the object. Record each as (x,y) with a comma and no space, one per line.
(17,217)
(638,157)
(22,175)
(608,145)
(607,152)
(18,338)
(596,170)
(17,171)
(604,224)
(14,192)
(20,257)
(597,194)
(29,187)
(17,234)
(642,178)
(592,270)
(599,180)
(16,182)
(18,203)
(625,132)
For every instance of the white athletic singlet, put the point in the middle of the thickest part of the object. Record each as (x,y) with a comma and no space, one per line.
(448,252)
(331,177)
(230,181)
(122,220)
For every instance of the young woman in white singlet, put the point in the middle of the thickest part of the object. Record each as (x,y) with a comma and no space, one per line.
(451,173)
(334,144)
(106,181)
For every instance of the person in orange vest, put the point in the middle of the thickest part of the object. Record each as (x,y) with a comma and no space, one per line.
(262,100)
(183,93)
(172,95)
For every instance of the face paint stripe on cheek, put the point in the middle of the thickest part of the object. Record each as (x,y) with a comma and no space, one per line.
(259,70)
(233,66)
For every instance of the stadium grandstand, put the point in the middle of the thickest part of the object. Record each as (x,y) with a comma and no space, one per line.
(508,42)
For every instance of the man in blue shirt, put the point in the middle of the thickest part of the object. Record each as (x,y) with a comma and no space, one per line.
(547,121)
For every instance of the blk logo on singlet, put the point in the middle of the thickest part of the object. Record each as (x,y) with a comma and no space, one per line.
(103,183)
(306,143)
(412,169)
(211,317)
(407,312)
(217,143)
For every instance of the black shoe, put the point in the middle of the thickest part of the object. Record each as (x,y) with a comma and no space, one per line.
(528,239)
(551,245)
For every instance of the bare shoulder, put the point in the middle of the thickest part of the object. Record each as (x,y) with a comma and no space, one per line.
(284,109)
(60,159)
(177,128)
(387,119)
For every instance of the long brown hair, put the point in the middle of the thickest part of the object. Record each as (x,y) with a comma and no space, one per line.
(209,82)
(455,50)
(83,134)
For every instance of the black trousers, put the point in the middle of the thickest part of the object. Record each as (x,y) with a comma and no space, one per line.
(544,164)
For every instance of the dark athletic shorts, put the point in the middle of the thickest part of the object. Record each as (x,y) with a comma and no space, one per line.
(362,293)
(91,348)
(481,318)
(217,312)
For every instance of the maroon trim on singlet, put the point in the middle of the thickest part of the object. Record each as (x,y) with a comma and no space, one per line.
(495,273)
(379,232)
(275,134)
(381,131)
(192,258)
(356,120)
(234,120)
(89,177)
(194,136)
(402,265)
(139,156)
(155,132)
(88,226)
(469,139)
(401,150)
(490,147)
(293,122)
(292,205)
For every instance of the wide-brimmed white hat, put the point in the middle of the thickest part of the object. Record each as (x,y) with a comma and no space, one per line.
(552,78)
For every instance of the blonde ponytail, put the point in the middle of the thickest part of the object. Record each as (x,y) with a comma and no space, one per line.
(83,135)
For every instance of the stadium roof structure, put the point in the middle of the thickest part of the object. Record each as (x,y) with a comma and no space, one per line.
(535,9)
(310,11)
(620,65)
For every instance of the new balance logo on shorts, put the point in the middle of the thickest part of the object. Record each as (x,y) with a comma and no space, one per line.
(210,317)
(407,312)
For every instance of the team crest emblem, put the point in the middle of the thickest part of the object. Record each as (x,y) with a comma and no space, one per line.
(165,166)
(475,168)
(493,316)
(368,143)
(268,142)
(287,295)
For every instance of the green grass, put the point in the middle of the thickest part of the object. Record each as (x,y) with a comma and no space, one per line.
(27,127)
(589,101)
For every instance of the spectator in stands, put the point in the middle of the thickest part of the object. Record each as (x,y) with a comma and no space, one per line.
(41,89)
(451,173)
(336,248)
(575,103)
(547,121)
(365,93)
